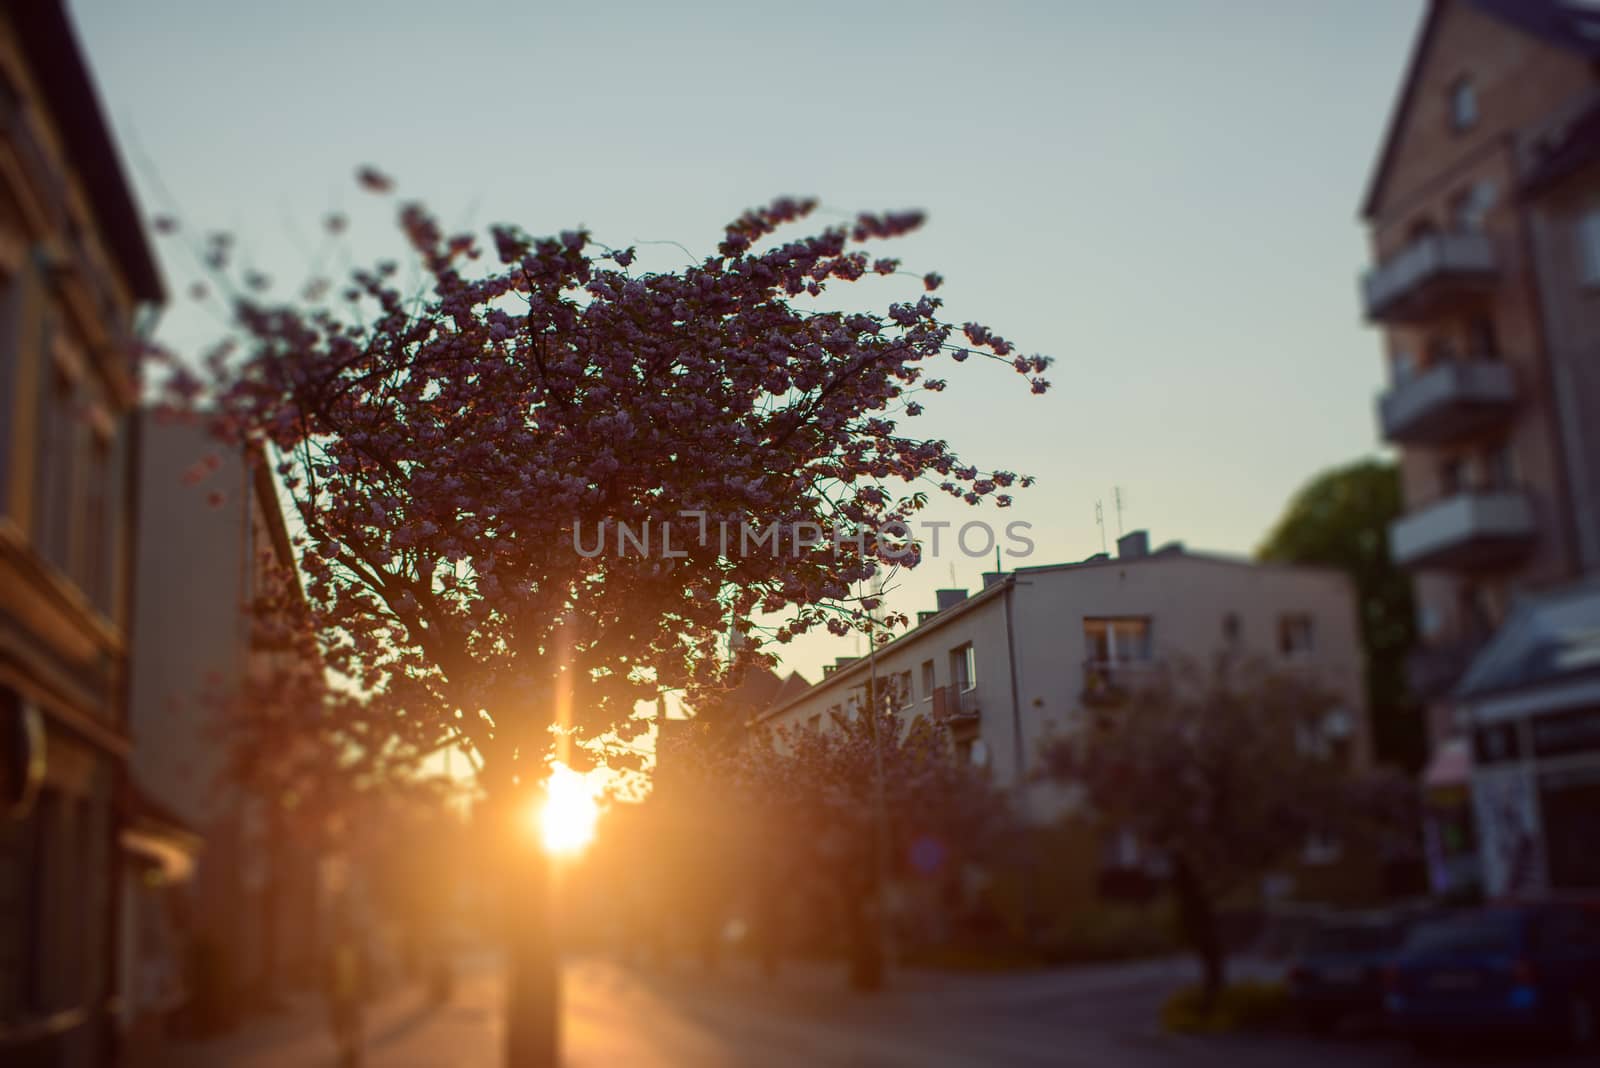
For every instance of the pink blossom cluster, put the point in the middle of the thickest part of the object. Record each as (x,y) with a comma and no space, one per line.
(439,444)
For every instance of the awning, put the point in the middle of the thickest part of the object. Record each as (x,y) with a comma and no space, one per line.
(1551,638)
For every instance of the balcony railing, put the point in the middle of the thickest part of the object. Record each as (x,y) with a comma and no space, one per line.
(1471,529)
(1445,403)
(1429,274)
(959,707)
(1111,682)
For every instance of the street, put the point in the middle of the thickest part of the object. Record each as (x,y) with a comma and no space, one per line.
(621,1015)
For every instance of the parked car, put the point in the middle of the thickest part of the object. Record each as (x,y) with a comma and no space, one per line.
(1337,971)
(1527,969)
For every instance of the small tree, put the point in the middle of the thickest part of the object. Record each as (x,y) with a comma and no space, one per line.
(816,793)
(453,452)
(1225,774)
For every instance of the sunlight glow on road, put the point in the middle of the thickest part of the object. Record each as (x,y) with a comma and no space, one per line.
(568,815)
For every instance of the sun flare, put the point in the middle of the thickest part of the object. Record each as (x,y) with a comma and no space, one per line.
(569,812)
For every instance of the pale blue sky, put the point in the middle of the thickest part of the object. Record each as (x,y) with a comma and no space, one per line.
(1162,194)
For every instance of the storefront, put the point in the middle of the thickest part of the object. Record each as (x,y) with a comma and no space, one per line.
(1533,700)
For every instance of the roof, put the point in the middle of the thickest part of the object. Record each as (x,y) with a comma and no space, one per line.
(1549,639)
(758,690)
(1176,551)
(863,665)
(1566,24)
(1169,552)
(56,61)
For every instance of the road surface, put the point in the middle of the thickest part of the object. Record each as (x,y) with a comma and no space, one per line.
(616,1015)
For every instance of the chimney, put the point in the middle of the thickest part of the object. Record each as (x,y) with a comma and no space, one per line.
(842,661)
(992,577)
(1133,544)
(925,615)
(949,598)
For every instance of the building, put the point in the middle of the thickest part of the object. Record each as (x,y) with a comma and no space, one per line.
(212,534)
(77,279)
(1533,698)
(1484,216)
(1040,648)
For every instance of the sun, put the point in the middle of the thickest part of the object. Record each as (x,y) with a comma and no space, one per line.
(568,814)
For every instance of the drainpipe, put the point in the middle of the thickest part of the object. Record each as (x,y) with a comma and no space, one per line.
(1030,866)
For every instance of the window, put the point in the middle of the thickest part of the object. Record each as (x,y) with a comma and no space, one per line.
(1500,467)
(900,693)
(1463,105)
(834,712)
(1470,208)
(814,723)
(1296,637)
(10,334)
(54,488)
(1452,476)
(1117,640)
(1403,366)
(95,568)
(1484,343)
(1589,248)
(1441,349)
(963,668)
(928,680)
(1477,610)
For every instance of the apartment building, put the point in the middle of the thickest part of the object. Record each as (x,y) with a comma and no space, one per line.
(76,279)
(1040,648)
(1484,216)
(211,535)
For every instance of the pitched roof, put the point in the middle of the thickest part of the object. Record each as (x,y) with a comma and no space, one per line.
(1567,24)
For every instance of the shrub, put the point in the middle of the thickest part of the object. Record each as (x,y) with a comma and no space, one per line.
(1240,1007)
(1111,932)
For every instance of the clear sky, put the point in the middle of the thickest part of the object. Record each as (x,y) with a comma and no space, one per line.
(1162,194)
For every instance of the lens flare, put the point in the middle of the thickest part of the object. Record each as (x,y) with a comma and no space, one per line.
(568,813)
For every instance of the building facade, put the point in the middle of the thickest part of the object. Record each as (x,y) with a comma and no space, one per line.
(1484,217)
(76,280)
(1040,649)
(212,537)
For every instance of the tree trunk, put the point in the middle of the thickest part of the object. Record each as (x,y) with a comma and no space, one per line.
(1198,918)
(866,942)
(533,993)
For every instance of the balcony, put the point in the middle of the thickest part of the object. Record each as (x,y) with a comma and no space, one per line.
(1454,400)
(1429,275)
(1111,682)
(963,706)
(1468,530)
(958,707)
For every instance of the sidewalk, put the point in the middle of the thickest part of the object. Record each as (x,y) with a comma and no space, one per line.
(402,1031)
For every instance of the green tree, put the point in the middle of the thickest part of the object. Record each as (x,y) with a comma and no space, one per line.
(1341,519)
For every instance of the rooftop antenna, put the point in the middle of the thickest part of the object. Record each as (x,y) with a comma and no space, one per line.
(1100,521)
(1116,495)
(952,574)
